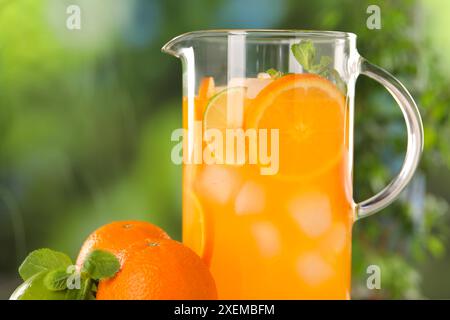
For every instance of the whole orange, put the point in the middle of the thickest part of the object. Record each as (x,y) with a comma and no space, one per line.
(159,269)
(117,236)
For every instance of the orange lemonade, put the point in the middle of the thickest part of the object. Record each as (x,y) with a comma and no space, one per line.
(282,235)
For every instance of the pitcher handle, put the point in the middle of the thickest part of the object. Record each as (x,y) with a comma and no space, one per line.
(415,140)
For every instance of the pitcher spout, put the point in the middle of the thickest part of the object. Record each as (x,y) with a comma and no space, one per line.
(176,46)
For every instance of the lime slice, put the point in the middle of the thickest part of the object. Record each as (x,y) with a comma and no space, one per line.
(225,110)
(34,289)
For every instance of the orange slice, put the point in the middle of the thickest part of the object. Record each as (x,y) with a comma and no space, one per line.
(207,88)
(196,228)
(309,112)
(205,92)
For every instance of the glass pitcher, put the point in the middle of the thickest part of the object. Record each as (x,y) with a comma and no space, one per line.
(268,157)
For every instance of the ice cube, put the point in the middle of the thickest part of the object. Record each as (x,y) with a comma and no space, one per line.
(312,212)
(313,269)
(250,199)
(218,183)
(253,85)
(267,238)
(336,239)
(263,75)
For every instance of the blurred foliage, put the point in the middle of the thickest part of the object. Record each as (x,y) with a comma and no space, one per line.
(86,116)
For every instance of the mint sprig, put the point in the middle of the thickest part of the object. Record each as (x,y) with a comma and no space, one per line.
(43,260)
(305,53)
(58,274)
(322,67)
(101,264)
(56,280)
(81,291)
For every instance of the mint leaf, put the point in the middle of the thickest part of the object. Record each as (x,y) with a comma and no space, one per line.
(73,294)
(76,294)
(274,74)
(305,53)
(101,264)
(82,290)
(322,67)
(43,260)
(56,280)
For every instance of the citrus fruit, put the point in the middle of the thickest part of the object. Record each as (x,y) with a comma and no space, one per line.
(196,227)
(207,88)
(117,236)
(309,112)
(34,289)
(225,110)
(159,269)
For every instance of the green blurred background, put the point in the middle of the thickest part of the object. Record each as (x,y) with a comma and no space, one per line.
(86,117)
